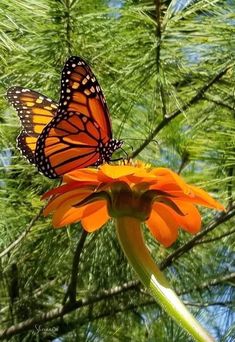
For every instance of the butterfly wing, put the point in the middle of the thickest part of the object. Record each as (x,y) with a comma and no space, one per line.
(81,92)
(34,109)
(75,134)
(71,140)
(27,145)
(35,112)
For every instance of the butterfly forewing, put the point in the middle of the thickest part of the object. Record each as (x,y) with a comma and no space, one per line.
(34,109)
(81,92)
(35,112)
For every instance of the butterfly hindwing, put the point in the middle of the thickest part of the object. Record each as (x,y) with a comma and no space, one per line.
(81,92)
(27,146)
(69,141)
(34,109)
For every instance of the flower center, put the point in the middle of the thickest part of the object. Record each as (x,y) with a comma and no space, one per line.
(124,201)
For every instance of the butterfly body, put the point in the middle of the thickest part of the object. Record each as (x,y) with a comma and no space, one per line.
(75,133)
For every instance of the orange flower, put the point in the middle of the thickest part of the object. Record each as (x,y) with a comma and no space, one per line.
(157,196)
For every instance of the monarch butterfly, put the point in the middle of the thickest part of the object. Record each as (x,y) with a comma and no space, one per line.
(75,133)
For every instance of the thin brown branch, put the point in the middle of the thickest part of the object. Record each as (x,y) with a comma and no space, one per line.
(205,305)
(169,117)
(65,309)
(210,98)
(104,295)
(133,307)
(22,235)
(216,238)
(212,282)
(72,288)
(221,218)
(184,162)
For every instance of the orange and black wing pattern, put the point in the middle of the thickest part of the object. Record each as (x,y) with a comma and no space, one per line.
(35,112)
(27,145)
(74,134)
(72,140)
(81,93)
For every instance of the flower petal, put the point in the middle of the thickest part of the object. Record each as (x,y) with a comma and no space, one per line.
(166,185)
(167,176)
(191,221)
(97,219)
(203,198)
(66,200)
(72,215)
(63,189)
(81,175)
(164,230)
(107,172)
(66,216)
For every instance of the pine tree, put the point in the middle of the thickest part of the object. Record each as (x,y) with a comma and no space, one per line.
(166,68)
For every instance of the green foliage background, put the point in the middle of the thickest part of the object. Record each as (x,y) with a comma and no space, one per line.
(155,60)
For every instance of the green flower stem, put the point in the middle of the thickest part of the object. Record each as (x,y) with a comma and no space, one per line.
(133,245)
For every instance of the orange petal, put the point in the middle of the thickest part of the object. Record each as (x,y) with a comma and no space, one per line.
(170,182)
(141,177)
(97,219)
(108,172)
(163,231)
(81,175)
(166,185)
(166,175)
(191,221)
(63,188)
(71,215)
(66,200)
(205,199)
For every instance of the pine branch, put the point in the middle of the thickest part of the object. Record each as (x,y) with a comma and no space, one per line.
(68,6)
(132,308)
(103,296)
(73,305)
(64,309)
(216,238)
(210,98)
(221,218)
(158,33)
(230,172)
(184,161)
(212,282)
(158,53)
(22,235)
(169,117)
(206,304)
(72,288)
